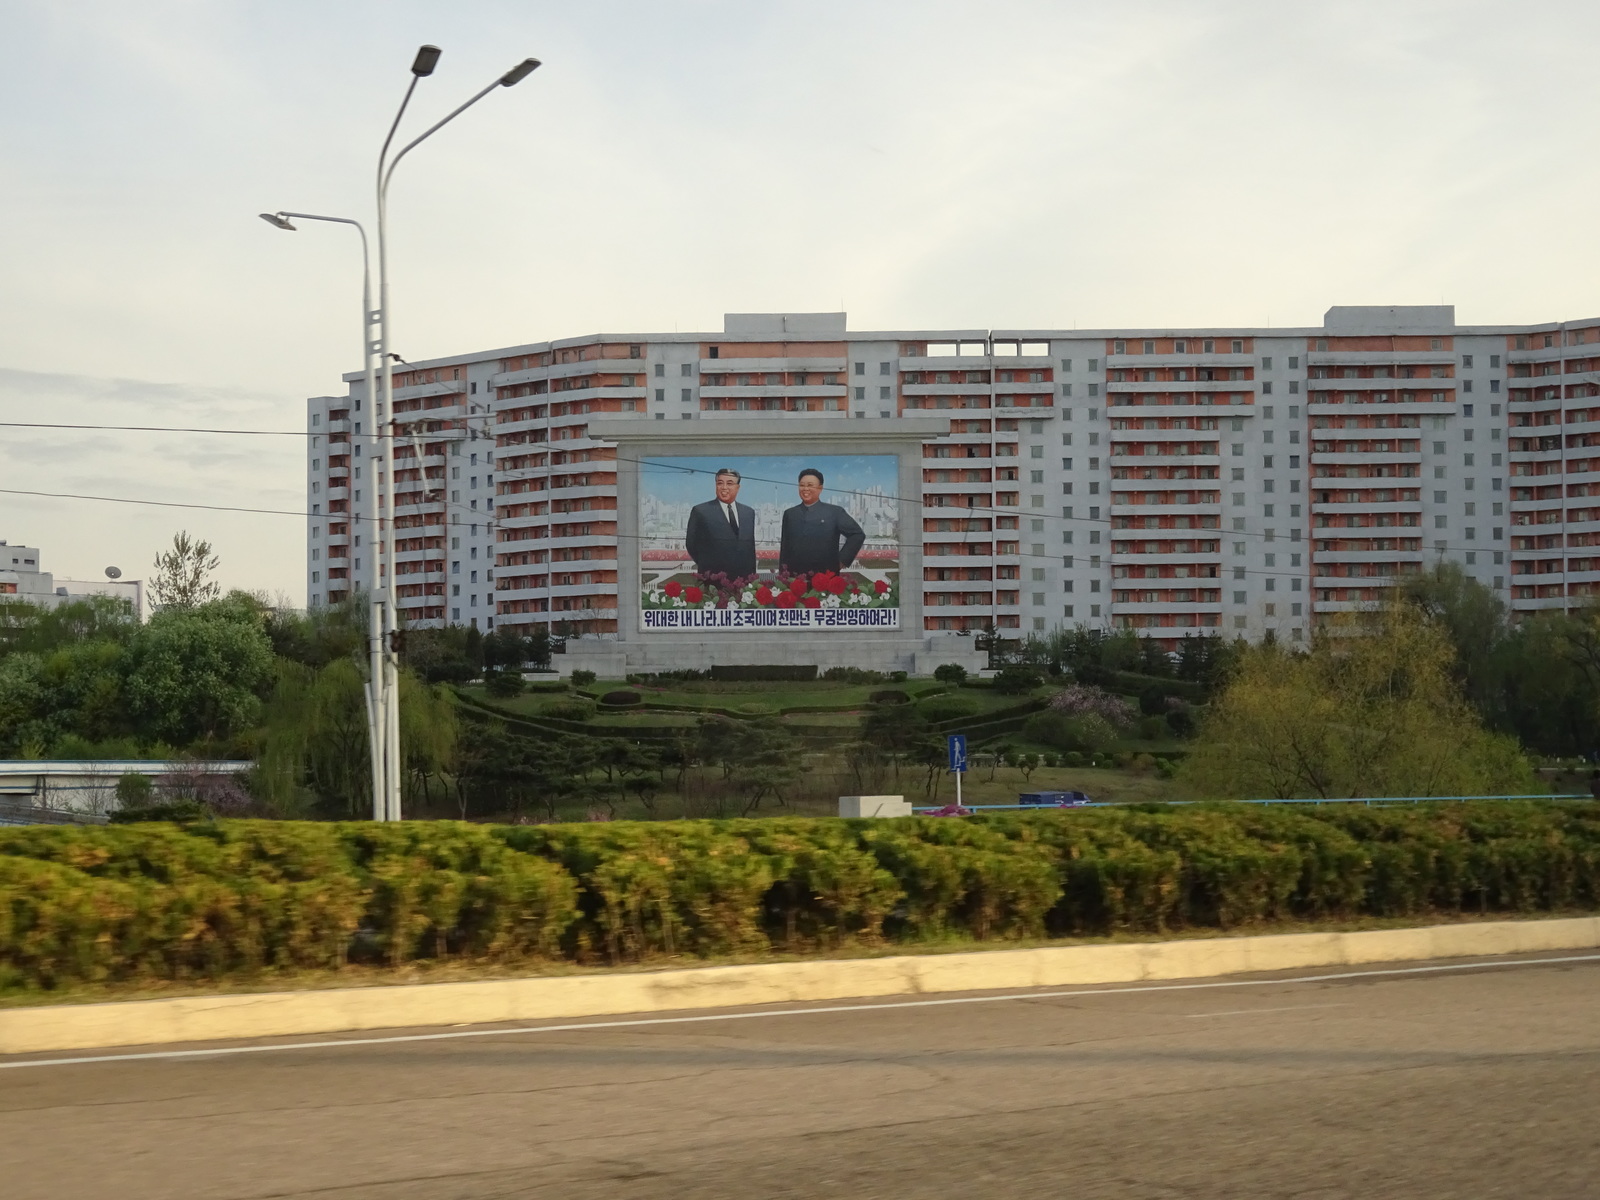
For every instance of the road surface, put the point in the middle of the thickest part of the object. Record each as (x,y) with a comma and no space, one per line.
(1474,1083)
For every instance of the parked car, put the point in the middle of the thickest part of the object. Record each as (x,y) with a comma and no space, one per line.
(1054,799)
(949,810)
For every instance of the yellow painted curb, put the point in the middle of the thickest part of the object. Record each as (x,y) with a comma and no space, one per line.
(277,1014)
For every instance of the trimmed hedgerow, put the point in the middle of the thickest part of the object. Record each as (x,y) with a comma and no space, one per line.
(214,901)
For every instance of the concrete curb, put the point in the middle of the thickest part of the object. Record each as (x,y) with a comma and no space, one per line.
(334,1010)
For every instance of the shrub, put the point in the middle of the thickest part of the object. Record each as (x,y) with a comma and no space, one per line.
(1082,700)
(1180,721)
(1015,680)
(759,673)
(1153,729)
(1087,733)
(228,899)
(947,708)
(172,810)
(621,698)
(898,676)
(950,673)
(134,789)
(889,697)
(852,675)
(582,678)
(570,710)
(503,685)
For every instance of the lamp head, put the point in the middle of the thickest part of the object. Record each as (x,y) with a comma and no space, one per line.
(519,72)
(280,222)
(426,60)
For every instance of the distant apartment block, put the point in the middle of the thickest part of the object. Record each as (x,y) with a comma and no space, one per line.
(1176,482)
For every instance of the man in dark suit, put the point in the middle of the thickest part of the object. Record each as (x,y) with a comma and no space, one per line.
(721,536)
(812,531)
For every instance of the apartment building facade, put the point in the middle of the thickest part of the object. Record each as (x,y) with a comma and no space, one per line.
(1176,482)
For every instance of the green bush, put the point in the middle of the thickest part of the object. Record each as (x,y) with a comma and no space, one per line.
(888,696)
(1015,680)
(947,708)
(582,678)
(621,697)
(950,673)
(577,709)
(503,685)
(222,900)
(134,790)
(765,673)
(1153,729)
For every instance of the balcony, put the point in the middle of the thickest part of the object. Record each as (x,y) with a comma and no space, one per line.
(1364,459)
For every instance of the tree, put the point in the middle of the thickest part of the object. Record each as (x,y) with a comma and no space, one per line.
(1371,710)
(183,574)
(199,672)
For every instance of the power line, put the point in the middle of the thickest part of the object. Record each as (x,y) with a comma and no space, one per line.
(277,512)
(156,429)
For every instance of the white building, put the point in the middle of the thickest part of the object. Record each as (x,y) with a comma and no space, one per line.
(22,579)
(1173,481)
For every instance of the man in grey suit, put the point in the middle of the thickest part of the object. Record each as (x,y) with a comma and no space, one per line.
(812,531)
(721,536)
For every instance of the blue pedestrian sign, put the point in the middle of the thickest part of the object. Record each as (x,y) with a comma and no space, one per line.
(958,752)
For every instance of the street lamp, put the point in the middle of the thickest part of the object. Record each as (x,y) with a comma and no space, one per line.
(383,688)
(427,58)
(377,725)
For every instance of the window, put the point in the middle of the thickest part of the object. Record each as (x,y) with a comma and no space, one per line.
(1149,348)
(713,352)
(884,393)
(687,395)
(1494,360)
(1494,385)
(861,368)
(1119,347)
(861,392)
(1238,346)
(1036,451)
(885,368)
(1266,363)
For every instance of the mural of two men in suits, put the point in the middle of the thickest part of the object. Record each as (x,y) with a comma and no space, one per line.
(816,536)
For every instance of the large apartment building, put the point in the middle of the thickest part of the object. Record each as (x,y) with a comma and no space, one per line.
(1233,481)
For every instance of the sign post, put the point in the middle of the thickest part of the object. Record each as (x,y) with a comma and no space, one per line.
(957,744)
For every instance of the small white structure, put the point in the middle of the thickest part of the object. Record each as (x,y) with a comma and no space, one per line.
(22,579)
(874,806)
(86,786)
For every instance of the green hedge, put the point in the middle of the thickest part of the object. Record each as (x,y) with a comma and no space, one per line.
(227,900)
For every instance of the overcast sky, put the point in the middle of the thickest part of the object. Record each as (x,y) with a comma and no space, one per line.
(922,164)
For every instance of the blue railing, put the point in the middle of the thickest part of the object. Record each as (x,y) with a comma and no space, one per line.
(1369,800)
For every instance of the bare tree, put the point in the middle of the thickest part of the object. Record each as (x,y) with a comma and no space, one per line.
(183,574)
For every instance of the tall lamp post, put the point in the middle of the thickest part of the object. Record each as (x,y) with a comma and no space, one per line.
(376,722)
(384,686)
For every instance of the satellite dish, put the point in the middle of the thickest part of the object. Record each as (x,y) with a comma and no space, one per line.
(113,572)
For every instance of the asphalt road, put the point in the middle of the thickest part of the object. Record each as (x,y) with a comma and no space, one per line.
(1460,1083)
